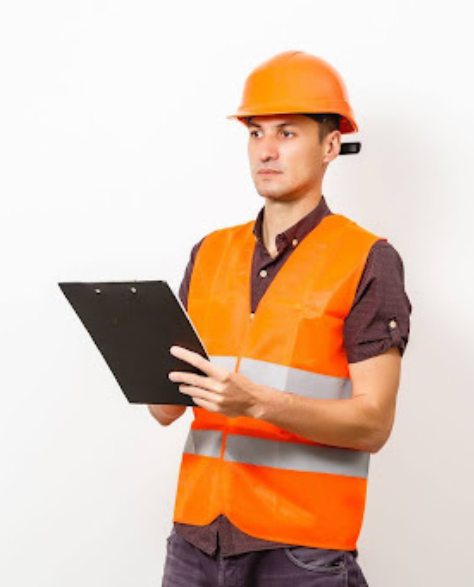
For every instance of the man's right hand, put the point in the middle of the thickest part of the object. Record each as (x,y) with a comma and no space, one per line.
(166,413)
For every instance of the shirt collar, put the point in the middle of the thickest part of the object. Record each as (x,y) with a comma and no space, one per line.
(299,230)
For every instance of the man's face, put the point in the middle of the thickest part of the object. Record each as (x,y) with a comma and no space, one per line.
(285,155)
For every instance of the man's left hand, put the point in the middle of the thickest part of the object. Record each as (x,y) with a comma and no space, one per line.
(222,391)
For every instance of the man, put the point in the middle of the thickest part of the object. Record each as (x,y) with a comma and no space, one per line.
(305,318)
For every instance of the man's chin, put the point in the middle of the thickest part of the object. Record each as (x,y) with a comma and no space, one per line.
(267,190)
(273,194)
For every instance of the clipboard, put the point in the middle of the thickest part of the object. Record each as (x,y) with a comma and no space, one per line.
(134,324)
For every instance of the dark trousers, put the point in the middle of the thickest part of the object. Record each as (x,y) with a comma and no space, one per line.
(298,566)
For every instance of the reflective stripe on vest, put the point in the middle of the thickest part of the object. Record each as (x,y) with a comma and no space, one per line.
(287,379)
(281,455)
(207,443)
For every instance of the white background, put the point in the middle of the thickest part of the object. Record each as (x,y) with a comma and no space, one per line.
(115,158)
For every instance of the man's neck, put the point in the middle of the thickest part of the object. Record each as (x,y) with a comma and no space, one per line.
(279,216)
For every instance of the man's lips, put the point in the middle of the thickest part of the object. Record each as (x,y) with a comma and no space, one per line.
(268,172)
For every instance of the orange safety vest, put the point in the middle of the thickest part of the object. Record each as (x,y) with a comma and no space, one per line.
(271,483)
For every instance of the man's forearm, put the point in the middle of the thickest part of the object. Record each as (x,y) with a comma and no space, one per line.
(350,423)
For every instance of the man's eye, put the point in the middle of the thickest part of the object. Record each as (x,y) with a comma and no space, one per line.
(254,133)
(287,133)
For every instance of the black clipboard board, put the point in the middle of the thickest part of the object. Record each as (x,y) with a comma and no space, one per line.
(134,324)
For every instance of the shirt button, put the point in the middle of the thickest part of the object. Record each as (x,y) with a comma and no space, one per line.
(263,273)
(294,242)
(392,324)
(252,314)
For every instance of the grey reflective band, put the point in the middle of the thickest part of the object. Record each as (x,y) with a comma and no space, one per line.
(291,380)
(223,361)
(296,456)
(206,443)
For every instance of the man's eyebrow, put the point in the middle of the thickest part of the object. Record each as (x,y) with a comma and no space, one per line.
(251,123)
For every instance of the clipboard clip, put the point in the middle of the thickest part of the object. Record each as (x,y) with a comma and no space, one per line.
(132,289)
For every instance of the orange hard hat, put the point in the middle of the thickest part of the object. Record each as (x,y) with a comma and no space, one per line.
(295,82)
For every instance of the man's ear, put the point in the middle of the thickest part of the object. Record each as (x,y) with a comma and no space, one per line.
(332,146)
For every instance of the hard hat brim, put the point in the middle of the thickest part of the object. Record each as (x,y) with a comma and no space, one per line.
(348,124)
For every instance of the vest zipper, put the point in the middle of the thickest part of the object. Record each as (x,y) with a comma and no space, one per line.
(226,431)
(249,324)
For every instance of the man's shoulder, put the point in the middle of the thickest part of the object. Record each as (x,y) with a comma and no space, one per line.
(230,231)
(381,249)
(351,235)
(352,225)
(220,236)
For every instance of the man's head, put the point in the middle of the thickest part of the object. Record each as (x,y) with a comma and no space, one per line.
(296,108)
(289,153)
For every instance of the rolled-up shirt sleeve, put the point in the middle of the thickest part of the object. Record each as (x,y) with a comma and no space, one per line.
(186,280)
(380,315)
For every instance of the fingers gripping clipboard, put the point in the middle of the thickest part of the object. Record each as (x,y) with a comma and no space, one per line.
(134,324)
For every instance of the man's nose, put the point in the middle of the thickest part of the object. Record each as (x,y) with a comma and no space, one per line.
(268,149)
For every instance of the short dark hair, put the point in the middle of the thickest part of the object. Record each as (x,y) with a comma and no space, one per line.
(328,122)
